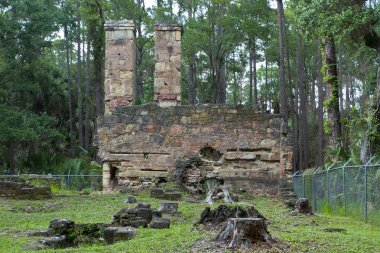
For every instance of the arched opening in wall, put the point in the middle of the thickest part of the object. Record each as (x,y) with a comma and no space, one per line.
(211,154)
(114,174)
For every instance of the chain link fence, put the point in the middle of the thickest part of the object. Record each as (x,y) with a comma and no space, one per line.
(72,182)
(347,190)
(79,182)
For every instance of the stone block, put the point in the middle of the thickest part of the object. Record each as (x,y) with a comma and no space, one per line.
(139,222)
(142,173)
(274,157)
(160,223)
(157,193)
(55,242)
(178,35)
(240,156)
(108,234)
(124,234)
(61,227)
(145,213)
(268,144)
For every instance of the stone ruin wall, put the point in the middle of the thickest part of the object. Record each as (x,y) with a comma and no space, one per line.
(140,145)
(143,143)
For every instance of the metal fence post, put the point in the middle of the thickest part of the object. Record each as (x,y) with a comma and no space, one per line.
(314,198)
(328,187)
(344,190)
(366,192)
(344,186)
(366,187)
(68,179)
(314,189)
(304,184)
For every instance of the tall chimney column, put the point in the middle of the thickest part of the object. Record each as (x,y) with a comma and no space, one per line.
(120,64)
(167,76)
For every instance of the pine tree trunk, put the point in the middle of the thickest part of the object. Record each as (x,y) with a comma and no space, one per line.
(222,83)
(235,89)
(220,69)
(348,100)
(79,80)
(250,99)
(241,88)
(295,129)
(281,29)
(170,5)
(139,85)
(254,61)
(69,83)
(87,99)
(265,106)
(332,91)
(191,80)
(312,95)
(303,138)
(11,150)
(340,78)
(321,98)
(98,36)
(192,70)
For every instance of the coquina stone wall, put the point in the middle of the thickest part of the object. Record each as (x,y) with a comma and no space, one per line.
(120,64)
(140,145)
(167,79)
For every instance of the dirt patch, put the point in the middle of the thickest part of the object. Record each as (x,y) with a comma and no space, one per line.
(209,245)
(335,230)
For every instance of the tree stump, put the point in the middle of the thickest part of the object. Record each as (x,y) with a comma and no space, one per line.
(244,231)
(223,213)
(302,206)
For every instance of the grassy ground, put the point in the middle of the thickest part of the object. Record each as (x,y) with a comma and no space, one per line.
(296,233)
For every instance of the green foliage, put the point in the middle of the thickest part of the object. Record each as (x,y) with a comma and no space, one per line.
(336,153)
(43,163)
(331,17)
(21,126)
(363,126)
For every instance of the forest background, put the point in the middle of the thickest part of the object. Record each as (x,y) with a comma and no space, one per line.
(316,62)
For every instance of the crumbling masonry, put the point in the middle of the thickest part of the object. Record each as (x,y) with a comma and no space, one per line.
(140,145)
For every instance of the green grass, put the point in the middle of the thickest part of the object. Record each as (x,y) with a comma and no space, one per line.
(297,233)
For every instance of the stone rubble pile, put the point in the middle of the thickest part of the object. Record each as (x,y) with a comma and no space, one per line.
(140,216)
(19,189)
(64,233)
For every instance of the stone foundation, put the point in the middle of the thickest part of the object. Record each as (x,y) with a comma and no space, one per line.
(139,145)
(17,188)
